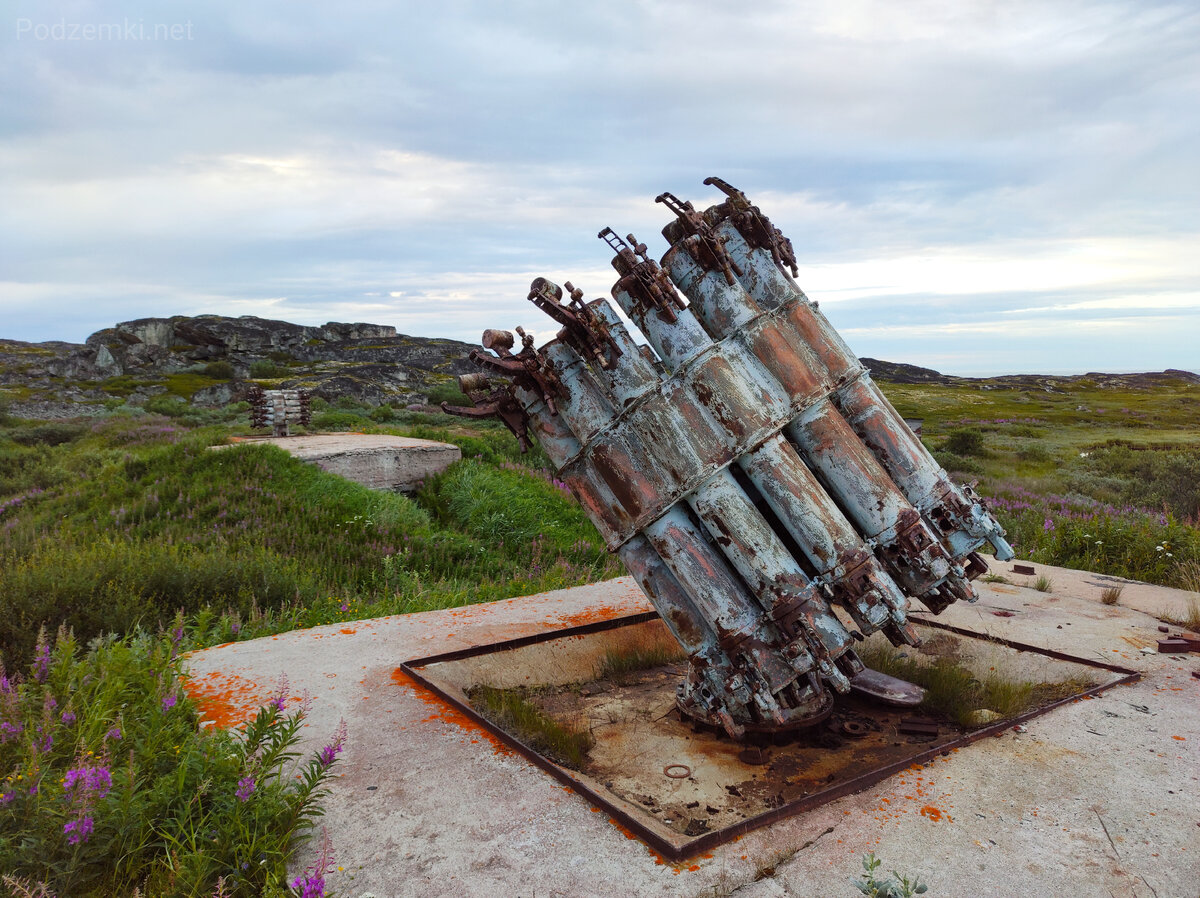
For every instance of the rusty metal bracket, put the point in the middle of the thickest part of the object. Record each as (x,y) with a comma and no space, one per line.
(703,244)
(582,329)
(529,369)
(492,402)
(642,278)
(753,225)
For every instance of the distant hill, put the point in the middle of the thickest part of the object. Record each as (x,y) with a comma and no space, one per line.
(900,373)
(213,360)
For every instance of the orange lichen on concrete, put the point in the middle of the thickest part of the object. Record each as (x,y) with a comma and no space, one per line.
(224,699)
(349,631)
(446,712)
(935,814)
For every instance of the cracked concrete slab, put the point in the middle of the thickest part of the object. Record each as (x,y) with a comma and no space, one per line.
(1101,796)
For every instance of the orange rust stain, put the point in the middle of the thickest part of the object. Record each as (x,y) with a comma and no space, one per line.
(226,699)
(588,616)
(447,713)
(625,831)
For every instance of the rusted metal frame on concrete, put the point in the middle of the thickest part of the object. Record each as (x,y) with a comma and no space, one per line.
(1025,647)
(620,814)
(670,850)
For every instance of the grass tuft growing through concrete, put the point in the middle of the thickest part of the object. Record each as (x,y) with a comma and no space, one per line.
(954,692)
(621,664)
(510,710)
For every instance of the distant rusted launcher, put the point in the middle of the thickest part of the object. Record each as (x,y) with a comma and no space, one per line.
(743,465)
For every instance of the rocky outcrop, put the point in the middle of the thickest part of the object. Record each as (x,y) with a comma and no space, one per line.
(137,359)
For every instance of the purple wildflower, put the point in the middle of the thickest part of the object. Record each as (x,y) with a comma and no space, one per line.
(41,663)
(280,699)
(79,829)
(309,886)
(245,788)
(10,730)
(87,780)
(1048,525)
(330,752)
(168,702)
(7,797)
(114,734)
(68,718)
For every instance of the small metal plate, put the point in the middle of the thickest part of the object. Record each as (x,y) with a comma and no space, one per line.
(887,689)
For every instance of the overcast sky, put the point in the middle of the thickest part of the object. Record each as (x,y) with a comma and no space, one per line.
(980,187)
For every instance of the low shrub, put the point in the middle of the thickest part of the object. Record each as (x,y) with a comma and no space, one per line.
(264,369)
(221,370)
(338,421)
(48,434)
(965,441)
(448,393)
(111,787)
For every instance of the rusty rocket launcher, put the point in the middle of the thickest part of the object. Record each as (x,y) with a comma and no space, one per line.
(742,465)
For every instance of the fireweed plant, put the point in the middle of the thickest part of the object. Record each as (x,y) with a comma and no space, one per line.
(109,785)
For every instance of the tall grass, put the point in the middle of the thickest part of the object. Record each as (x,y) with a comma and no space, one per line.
(510,710)
(147,521)
(1079,532)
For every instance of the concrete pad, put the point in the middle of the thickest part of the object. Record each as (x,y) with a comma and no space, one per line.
(1099,797)
(378,461)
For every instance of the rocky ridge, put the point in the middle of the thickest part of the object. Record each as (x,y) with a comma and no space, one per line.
(900,373)
(211,360)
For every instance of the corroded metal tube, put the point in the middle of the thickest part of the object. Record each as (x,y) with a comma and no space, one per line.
(745,469)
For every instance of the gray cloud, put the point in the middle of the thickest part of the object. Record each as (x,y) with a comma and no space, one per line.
(296,159)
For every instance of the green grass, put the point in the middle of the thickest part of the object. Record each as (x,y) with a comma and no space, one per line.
(510,710)
(621,664)
(955,693)
(133,519)
(1103,478)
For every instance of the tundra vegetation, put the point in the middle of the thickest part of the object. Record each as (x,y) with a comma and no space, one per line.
(124,541)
